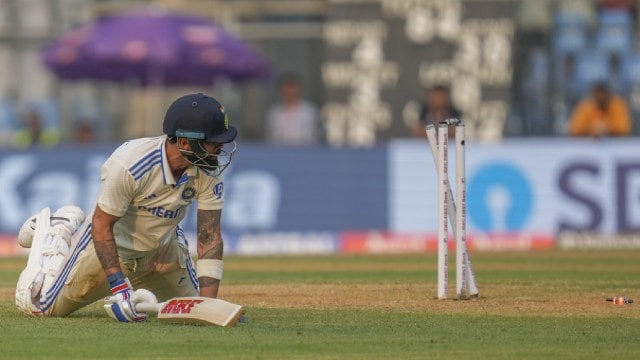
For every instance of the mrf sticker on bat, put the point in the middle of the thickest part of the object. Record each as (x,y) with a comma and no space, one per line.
(180,306)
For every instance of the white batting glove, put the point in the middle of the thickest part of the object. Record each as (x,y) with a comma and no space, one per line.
(143,296)
(121,308)
(120,305)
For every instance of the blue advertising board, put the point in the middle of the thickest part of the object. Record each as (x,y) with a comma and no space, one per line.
(520,192)
(525,186)
(266,188)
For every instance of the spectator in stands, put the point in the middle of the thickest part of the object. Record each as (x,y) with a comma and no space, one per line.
(35,132)
(602,114)
(436,107)
(84,132)
(294,121)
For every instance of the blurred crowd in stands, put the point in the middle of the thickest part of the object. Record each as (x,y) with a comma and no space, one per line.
(576,73)
(37,124)
(575,49)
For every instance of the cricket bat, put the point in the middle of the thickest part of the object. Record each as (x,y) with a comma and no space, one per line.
(195,310)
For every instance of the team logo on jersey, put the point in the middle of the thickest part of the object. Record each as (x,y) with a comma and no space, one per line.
(218,189)
(188,193)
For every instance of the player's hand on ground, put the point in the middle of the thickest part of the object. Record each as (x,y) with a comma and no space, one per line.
(121,305)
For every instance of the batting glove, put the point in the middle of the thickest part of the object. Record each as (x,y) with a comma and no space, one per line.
(119,305)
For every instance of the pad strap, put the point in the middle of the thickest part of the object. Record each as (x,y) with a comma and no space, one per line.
(212,268)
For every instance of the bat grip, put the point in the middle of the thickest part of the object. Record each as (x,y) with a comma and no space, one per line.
(148,307)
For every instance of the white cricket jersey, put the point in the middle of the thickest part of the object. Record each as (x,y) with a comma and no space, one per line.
(137,186)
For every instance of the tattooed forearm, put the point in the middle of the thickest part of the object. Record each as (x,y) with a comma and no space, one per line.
(215,252)
(208,225)
(107,253)
(103,240)
(207,281)
(208,286)
(210,244)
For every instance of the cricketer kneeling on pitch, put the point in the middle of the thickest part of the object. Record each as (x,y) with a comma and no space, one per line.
(132,239)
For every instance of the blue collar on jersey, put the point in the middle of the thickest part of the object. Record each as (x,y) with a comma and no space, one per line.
(166,170)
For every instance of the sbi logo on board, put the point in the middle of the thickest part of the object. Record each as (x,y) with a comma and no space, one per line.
(586,195)
(499,198)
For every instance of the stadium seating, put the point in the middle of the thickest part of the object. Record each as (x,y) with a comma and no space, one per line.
(630,85)
(534,87)
(570,38)
(615,32)
(591,66)
(630,71)
(570,32)
(584,55)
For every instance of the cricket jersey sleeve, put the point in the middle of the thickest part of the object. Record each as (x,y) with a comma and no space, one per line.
(117,188)
(210,192)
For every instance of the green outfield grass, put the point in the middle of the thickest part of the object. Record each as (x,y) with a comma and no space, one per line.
(541,305)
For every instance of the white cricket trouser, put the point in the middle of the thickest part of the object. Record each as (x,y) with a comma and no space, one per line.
(166,271)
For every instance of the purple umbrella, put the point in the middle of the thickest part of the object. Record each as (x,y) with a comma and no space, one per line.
(153,47)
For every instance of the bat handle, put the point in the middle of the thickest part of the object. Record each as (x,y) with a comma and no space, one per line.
(148,307)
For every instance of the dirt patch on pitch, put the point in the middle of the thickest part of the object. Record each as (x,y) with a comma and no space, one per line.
(13,265)
(509,300)
(7,294)
(503,299)
(332,267)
